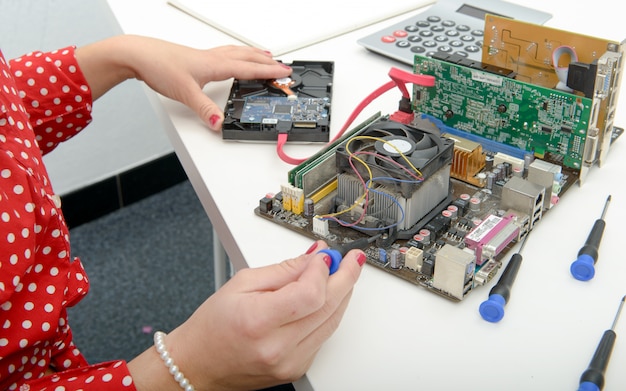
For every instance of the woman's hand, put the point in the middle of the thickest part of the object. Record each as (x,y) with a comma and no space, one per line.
(262,328)
(175,71)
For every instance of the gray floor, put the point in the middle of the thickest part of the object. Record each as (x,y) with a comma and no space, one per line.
(149,265)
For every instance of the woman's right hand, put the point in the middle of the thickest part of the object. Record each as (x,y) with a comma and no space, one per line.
(262,328)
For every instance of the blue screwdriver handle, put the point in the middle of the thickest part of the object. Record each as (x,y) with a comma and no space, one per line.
(583,267)
(335,259)
(492,309)
(336,253)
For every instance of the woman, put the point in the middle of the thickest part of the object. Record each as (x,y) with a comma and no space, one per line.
(262,328)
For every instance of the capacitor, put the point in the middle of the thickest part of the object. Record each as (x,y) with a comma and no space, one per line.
(507,169)
(518,172)
(481,177)
(500,166)
(475,204)
(309,207)
(491,180)
(425,234)
(454,211)
(395,259)
(498,173)
(528,159)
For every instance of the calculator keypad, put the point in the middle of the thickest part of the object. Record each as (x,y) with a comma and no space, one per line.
(433,34)
(447,27)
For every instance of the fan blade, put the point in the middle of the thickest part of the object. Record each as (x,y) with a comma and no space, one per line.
(418,163)
(427,153)
(424,142)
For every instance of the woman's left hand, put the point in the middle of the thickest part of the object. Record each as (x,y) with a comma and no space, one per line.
(175,71)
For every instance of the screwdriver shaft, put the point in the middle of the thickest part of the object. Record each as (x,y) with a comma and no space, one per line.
(606,206)
(619,312)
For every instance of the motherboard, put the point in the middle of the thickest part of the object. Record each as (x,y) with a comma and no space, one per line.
(444,193)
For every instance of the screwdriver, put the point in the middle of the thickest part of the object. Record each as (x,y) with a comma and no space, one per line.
(582,268)
(336,253)
(593,378)
(492,309)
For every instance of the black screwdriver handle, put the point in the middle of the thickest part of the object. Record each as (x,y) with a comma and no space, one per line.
(600,360)
(593,240)
(503,287)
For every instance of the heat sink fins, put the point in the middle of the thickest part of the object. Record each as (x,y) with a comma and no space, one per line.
(467,161)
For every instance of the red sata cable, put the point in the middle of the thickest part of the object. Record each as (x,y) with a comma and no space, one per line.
(399,78)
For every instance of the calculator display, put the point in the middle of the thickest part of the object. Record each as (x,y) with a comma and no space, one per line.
(476,12)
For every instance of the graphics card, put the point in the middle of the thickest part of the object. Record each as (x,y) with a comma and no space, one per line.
(298,105)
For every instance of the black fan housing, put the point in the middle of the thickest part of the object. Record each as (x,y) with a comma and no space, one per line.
(427,152)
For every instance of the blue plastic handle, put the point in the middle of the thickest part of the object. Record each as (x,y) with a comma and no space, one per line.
(335,257)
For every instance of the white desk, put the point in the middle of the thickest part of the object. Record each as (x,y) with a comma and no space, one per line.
(396,336)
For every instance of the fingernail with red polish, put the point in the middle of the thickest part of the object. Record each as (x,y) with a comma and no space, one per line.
(361,258)
(284,65)
(312,248)
(213,119)
(327,260)
(267,52)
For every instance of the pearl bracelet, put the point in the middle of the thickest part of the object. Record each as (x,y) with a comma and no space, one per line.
(159,344)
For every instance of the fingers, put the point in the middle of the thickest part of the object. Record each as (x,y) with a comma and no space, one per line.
(255,70)
(300,290)
(313,341)
(205,108)
(222,63)
(274,277)
(297,299)
(321,324)
(271,321)
(242,62)
(285,292)
(339,286)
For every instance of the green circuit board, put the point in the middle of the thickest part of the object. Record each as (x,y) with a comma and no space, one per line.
(499,108)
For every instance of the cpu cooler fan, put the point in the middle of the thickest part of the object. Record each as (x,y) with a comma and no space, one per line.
(387,154)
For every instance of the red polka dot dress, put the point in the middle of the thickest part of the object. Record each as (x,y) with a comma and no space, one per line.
(44,99)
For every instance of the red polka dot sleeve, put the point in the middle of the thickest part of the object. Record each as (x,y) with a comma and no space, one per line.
(44,100)
(55,95)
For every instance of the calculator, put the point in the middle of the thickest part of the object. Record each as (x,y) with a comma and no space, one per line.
(448,26)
